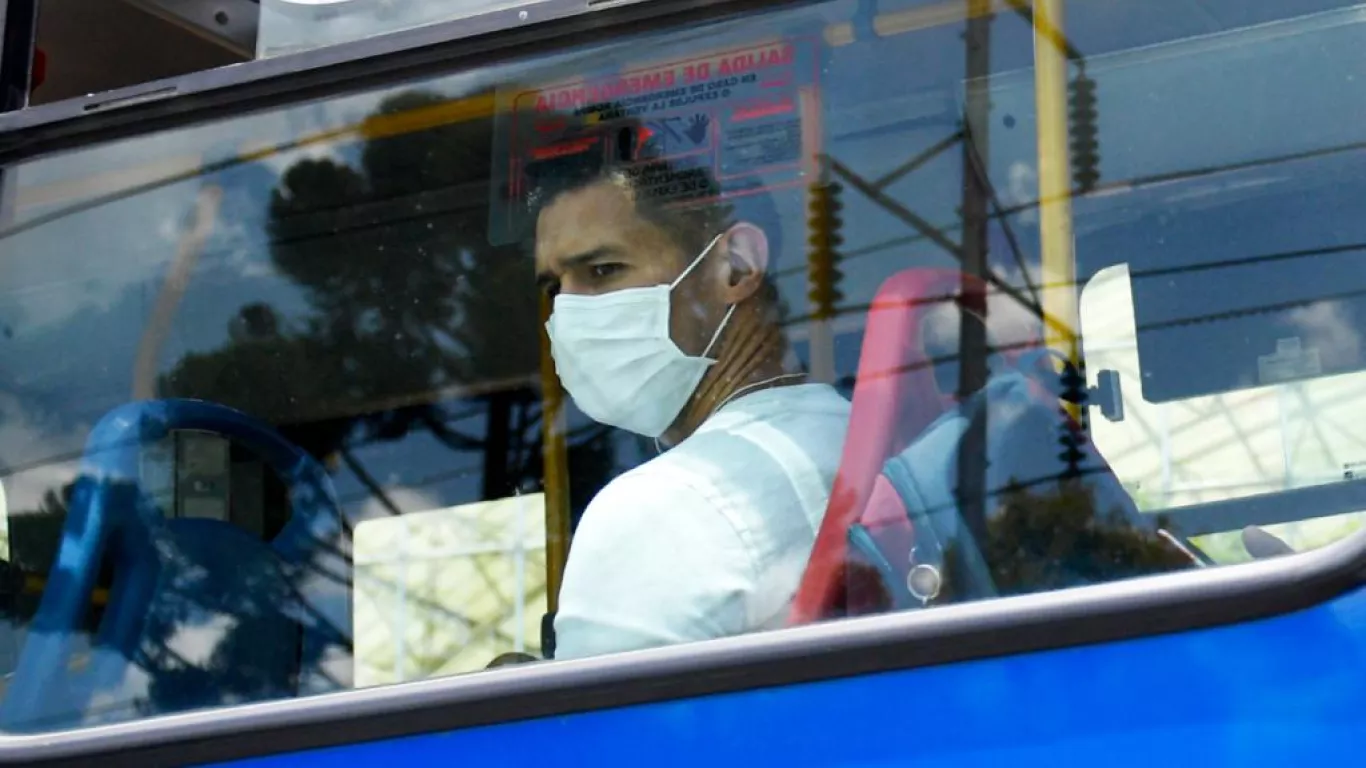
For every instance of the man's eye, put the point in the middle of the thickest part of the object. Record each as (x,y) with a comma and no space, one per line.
(604,270)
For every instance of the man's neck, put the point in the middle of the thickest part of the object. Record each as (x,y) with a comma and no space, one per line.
(752,352)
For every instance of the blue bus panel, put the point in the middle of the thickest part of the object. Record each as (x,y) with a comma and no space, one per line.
(1289,690)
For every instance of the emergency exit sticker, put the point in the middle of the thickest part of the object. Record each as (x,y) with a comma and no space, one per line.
(728,123)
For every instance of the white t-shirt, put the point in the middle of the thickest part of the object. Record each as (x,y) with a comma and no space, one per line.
(710,538)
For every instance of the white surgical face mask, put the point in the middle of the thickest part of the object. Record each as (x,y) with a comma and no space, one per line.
(614,354)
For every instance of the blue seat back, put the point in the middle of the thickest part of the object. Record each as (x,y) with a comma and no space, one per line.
(173,580)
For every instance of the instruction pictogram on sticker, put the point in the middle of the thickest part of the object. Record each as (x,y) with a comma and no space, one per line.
(725,124)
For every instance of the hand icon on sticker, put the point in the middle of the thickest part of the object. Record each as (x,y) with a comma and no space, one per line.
(697,128)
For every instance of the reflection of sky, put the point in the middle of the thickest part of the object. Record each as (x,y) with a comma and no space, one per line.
(433,475)
(286,26)
(1318,298)
(79,287)
(77,292)
(1212,101)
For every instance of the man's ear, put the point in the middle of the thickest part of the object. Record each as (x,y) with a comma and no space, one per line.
(746,249)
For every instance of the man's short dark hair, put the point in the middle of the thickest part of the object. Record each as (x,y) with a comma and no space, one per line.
(685,201)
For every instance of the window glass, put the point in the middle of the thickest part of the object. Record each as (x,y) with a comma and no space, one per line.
(319,397)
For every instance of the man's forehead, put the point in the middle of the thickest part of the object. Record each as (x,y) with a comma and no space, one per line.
(590,218)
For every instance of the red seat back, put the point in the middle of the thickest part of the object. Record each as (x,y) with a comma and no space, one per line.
(895,398)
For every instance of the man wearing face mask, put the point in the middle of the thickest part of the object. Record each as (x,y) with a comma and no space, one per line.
(664,323)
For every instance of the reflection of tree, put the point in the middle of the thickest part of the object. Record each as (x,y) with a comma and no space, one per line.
(34,535)
(408,299)
(1043,540)
(414,323)
(1039,539)
(259,650)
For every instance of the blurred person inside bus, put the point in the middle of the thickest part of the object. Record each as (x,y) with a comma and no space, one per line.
(665,322)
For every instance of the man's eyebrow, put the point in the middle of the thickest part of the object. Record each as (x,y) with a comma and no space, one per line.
(546,278)
(580,259)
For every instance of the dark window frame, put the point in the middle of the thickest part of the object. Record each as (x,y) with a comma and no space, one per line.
(1105,613)
(19,24)
(477,41)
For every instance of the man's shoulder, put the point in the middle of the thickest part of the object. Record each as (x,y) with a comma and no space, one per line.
(681,476)
(669,471)
(737,442)
(812,413)
(729,449)
(804,398)
(651,501)
(686,470)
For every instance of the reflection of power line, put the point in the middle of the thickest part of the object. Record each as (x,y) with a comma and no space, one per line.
(1330,250)
(465,442)
(1233,314)
(924,232)
(1205,266)
(217,167)
(1210,170)
(63,458)
(928,230)
(424,482)
(369,482)
(916,162)
(1138,328)
(419,213)
(868,250)
(1132,183)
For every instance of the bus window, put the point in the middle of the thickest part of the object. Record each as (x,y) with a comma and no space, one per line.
(689,334)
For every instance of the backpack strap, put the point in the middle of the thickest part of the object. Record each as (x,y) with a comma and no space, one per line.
(913,531)
(917,526)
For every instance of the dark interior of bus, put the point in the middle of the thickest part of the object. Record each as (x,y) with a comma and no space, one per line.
(91,46)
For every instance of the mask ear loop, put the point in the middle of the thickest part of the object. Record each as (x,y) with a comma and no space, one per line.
(715,337)
(659,448)
(696,261)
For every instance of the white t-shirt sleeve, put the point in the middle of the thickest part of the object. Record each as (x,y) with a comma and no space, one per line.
(655,561)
